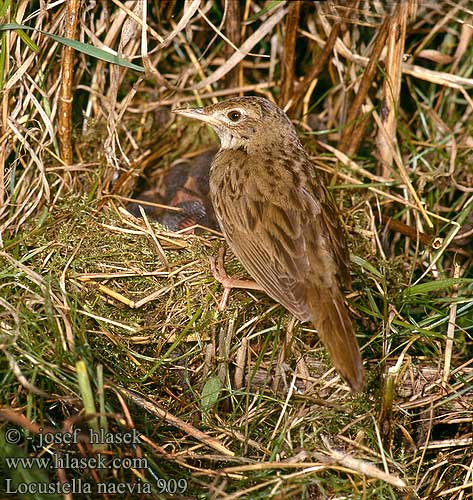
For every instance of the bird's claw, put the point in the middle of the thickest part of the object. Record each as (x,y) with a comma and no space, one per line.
(217,267)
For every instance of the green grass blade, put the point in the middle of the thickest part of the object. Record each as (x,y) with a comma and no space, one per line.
(85,48)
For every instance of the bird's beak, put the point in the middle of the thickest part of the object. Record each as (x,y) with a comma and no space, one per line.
(197,114)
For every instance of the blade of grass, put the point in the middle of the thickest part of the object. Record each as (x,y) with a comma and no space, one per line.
(85,48)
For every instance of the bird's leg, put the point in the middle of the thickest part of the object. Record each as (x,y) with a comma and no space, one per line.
(218,270)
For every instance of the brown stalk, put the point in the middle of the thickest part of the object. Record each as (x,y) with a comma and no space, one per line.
(65,99)
(450,330)
(354,130)
(287,74)
(302,86)
(408,231)
(172,420)
(233,78)
(392,86)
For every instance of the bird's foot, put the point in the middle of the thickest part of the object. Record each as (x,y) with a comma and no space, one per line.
(217,266)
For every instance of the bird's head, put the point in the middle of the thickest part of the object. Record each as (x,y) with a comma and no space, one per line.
(240,121)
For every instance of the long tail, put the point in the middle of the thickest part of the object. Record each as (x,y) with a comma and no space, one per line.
(332,320)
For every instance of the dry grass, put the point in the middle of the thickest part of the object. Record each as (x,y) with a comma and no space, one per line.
(110,322)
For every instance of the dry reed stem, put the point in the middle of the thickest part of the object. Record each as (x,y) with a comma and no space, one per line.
(288,58)
(354,131)
(71,20)
(309,79)
(403,171)
(392,84)
(234,78)
(127,46)
(450,330)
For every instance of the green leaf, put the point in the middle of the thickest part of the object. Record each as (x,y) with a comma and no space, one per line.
(365,265)
(4,7)
(263,11)
(432,286)
(210,393)
(85,48)
(27,40)
(2,59)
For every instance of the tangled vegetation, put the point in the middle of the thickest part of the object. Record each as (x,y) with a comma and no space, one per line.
(112,342)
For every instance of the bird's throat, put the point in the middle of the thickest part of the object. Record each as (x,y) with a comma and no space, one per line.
(229,141)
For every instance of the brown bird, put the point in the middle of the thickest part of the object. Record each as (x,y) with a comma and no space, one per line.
(280,221)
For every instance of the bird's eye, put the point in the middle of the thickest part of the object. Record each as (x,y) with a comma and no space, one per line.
(234,115)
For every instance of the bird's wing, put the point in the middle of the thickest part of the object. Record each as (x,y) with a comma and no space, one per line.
(285,246)
(330,225)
